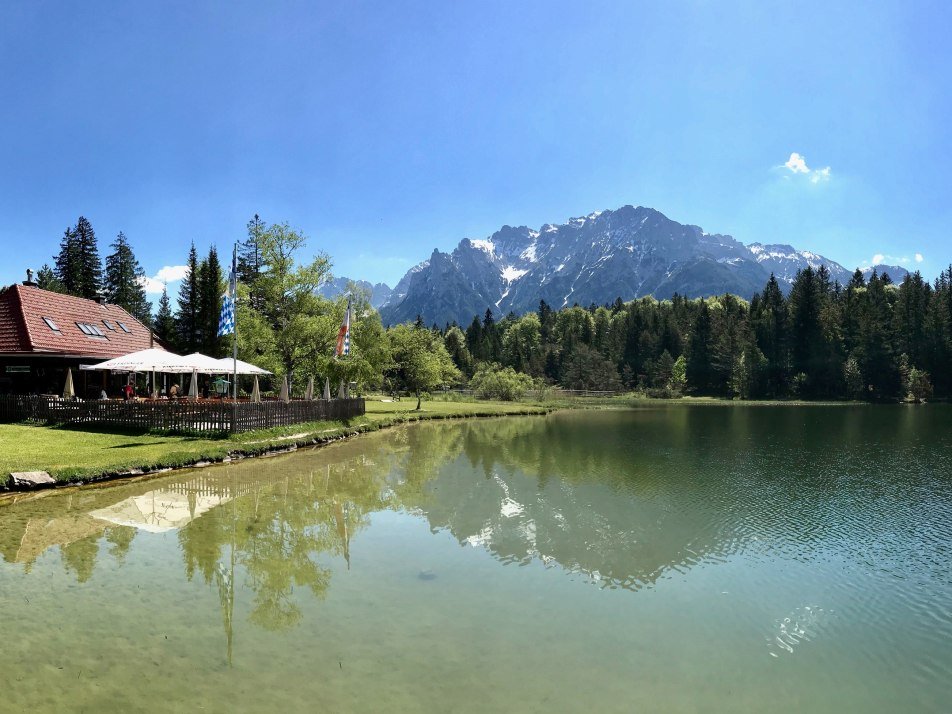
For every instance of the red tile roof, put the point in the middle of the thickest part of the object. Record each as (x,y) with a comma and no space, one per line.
(23,330)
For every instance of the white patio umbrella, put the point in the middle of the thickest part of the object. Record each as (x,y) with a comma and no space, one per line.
(340,390)
(68,391)
(206,364)
(285,395)
(158,511)
(256,392)
(243,367)
(327,388)
(309,394)
(151,360)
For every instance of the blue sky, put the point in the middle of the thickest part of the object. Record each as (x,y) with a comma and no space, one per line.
(384,130)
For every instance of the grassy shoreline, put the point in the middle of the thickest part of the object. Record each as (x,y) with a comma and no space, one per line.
(77,456)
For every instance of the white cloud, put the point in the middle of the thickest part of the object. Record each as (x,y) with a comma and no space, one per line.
(166,274)
(919,257)
(797,164)
(171,273)
(820,175)
(878,258)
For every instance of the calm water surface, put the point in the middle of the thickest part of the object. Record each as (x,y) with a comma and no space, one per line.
(709,558)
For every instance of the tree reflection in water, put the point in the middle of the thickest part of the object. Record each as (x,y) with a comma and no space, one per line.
(581,492)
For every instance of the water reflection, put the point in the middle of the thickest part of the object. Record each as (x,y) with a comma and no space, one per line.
(621,499)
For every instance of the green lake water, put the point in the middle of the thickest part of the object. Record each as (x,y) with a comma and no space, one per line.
(668,559)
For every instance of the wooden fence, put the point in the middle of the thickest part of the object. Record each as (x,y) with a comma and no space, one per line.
(181,416)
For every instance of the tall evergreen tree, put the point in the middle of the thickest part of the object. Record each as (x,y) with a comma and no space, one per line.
(67,270)
(122,283)
(164,322)
(250,261)
(90,266)
(699,373)
(186,317)
(210,289)
(806,330)
(768,316)
(879,362)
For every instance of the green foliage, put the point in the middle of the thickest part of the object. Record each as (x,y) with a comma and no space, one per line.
(46,279)
(164,322)
(504,383)
(521,344)
(187,315)
(679,378)
(853,378)
(420,361)
(77,266)
(122,285)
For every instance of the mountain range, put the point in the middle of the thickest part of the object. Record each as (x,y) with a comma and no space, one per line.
(379,293)
(628,253)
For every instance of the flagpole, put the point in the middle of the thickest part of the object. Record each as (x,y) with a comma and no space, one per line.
(234,335)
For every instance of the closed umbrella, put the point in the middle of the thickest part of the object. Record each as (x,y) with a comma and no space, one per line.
(327,388)
(340,390)
(256,392)
(309,394)
(68,391)
(193,386)
(285,396)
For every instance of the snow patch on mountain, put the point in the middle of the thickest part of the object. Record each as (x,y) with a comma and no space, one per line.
(511,273)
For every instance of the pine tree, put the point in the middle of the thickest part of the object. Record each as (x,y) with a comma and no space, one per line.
(47,280)
(122,283)
(164,322)
(210,289)
(90,266)
(250,262)
(878,361)
(768,316)
(186,317)
(806,330)
(67,263)
(698,367)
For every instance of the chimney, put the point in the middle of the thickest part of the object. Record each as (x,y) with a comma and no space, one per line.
(29,278)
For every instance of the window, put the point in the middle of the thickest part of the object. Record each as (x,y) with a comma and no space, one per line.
(124,328)
(90,330)
(109,325)
(52,325)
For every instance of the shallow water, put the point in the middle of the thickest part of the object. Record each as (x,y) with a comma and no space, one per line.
(707,558)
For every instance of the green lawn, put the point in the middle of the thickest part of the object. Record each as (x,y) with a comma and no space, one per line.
(74,455)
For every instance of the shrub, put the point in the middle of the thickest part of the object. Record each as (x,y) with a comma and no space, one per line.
(493,382)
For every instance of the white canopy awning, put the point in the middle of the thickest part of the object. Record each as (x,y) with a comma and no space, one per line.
(151,360)
(243,367)
(155,360)
(205,364)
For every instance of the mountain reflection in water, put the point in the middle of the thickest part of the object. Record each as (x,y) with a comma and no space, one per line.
(619,499)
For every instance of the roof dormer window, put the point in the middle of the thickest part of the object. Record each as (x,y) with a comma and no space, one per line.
(109,325)
(124,328)
(52,325)
(90,330)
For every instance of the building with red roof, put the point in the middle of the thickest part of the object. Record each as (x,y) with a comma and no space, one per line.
(43,333)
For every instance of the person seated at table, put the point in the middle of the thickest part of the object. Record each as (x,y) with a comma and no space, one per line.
(103,396)
(173,391)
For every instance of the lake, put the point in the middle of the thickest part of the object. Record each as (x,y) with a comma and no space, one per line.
(668,558)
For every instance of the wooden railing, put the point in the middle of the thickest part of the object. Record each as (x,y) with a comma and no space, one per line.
(176,416)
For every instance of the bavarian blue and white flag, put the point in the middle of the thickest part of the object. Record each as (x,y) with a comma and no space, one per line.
(226,322)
